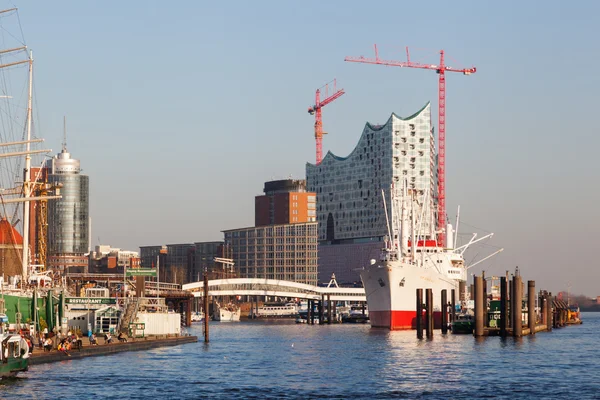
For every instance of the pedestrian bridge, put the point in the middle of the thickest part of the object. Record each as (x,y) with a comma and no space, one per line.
(274,287)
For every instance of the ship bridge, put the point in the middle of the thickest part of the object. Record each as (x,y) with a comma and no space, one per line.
(274,287)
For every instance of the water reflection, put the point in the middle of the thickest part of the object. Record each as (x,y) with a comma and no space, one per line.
(285,360)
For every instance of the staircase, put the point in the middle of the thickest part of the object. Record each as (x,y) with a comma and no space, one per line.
(129,316)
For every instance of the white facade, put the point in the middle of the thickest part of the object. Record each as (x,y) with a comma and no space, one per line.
(349,190)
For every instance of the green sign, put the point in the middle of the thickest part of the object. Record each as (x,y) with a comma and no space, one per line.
(141,272)
(90,300)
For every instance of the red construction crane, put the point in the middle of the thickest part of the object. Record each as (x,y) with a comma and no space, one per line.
(316,110)
(440,69)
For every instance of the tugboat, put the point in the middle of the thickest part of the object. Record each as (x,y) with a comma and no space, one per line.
(14,351)
(463,324)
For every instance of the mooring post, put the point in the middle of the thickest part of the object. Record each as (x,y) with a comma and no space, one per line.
(510,304)
(518,318)
(531,320)
(328,309)
(503,308)
(429,313)
(478,286)
(472,292)
(485,300)
(453,310)
(444,311)
(311,312)
(550,311)
(544,309)
(322,309)
(205,307)
(419,313)
(334,305)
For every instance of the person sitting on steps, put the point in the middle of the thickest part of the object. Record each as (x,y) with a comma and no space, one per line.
(122,338)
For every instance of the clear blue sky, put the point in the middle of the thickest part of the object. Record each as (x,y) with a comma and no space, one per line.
(179,111)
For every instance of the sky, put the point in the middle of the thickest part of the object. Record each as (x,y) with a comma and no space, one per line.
(180,111)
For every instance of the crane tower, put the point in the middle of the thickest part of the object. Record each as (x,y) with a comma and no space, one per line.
(441,70)
(316,111)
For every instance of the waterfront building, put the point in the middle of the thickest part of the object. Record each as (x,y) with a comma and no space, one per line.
(149,255)
(204,260)
(350,212)
(179,261)
(287,252)
(284,202)
(106,259)
(68,217)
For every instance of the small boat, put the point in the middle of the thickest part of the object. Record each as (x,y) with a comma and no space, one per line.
(356,315)
(198,317)
(227,313)
(14,352)
(463,324)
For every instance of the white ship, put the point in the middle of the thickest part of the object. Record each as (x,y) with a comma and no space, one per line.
(412,259)
(277,310)
(227,313)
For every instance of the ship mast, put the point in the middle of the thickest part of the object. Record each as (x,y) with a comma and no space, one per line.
(27,180)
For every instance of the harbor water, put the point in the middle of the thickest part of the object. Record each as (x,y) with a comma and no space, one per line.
(282,360)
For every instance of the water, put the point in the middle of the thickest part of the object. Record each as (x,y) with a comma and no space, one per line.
(259,360)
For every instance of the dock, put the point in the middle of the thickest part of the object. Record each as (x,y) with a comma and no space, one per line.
(42,357)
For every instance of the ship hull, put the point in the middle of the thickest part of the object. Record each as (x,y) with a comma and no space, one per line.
(391,293)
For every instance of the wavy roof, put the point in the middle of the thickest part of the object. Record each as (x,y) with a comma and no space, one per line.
(373,128)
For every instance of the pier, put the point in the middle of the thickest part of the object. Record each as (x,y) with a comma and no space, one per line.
(42,357)
(517,312)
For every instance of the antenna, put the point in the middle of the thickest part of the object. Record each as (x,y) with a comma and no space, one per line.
(64,144)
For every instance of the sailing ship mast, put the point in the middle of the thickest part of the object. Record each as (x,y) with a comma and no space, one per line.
(27,179)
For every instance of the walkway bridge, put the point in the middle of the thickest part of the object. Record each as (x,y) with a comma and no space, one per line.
(274,287)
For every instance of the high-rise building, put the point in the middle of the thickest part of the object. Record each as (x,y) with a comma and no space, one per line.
(351,219)
(284,202)
(68,217)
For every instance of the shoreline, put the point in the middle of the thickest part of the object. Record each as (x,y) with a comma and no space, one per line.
(41,357)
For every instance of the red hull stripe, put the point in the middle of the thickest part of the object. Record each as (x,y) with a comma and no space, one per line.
(400,320)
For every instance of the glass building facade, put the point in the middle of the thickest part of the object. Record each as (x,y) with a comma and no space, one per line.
(68,217)
(287,252)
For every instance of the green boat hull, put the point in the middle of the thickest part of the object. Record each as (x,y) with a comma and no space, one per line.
(13,366)
(462,327)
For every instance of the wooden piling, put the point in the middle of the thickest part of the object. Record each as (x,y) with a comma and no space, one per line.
(453,305)
(419,313)
(453,299)
(462,286)
(550,311)
(531,319)
(478,295)
(518,310)
(472,292)
(429,313)
(444,311)
(206,316)
(544,306)
(510,304)
(485,300)
(310,315)
(503,305)
(321,310)
(329,309)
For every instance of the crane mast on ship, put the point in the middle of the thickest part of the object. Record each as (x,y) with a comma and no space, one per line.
(441,70)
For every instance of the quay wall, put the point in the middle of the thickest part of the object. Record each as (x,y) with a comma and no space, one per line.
(40,357)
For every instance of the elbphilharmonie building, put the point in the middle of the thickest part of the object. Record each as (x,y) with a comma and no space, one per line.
(350,208)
